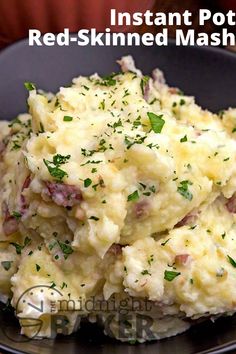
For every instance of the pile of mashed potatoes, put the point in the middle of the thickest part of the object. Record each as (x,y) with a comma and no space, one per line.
(116,189)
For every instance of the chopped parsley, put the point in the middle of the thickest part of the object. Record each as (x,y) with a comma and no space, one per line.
(6,264)
(91,161)
(182,102)
(170,275)
(53,166)
(53,285)
(107,80)
(221,113)
(165,242)
(102,105)
(231,261)
(137,140)
(94,218)
(143,83)
(66,249)
(183,189)
(87,182)
(156,121)
(67,118)
(42,130)
(184,139)
(37,267)
(64,285)
(145,272)
(29,86)
(153,101)
(60,159)
(133,196)
(19,247)
(55,172)
(150,259)
(57,103)
(16,215)
(15,121)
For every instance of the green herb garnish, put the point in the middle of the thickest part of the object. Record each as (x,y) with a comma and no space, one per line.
(19,247)
(133,196)
(87,182)
(66,249)
(170,275)
(16,215)
(95,218)
(107,80)
(60,159)
(183,190)
(55,171)
(67,118)
(231,261)
(143,82)
(184,139)
(29,86)
(165,242)
(156,121)
(6,265)
(145,272)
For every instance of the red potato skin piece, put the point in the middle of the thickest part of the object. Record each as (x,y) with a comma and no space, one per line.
(189,219)
(10,223)
(23,203)
(115,249)
(182,259)
(63,194)
(141,209)
(231,204)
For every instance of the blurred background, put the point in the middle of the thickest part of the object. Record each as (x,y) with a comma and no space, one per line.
(18,16)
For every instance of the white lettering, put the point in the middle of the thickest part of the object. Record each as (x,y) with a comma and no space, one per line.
(181,39)
(83,38)
(204,15)
(34,37)
(113,17)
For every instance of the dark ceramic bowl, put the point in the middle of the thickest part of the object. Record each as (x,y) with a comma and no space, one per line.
(206,73)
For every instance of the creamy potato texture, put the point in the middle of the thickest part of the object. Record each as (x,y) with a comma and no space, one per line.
(119,188)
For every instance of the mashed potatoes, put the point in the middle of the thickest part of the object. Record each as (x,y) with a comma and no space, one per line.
(118,189)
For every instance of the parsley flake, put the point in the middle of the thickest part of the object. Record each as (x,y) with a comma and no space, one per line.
(67,118)
(183,190)
(66,249)
(231,261)
(170,275)
(133,196)
(145,272)
(184,139)
(6,265)
(156,121)
(16,215)
(29,86)
(143,83)
(95,218)
(87,182)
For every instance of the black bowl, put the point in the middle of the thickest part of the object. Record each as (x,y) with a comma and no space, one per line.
(206,73)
